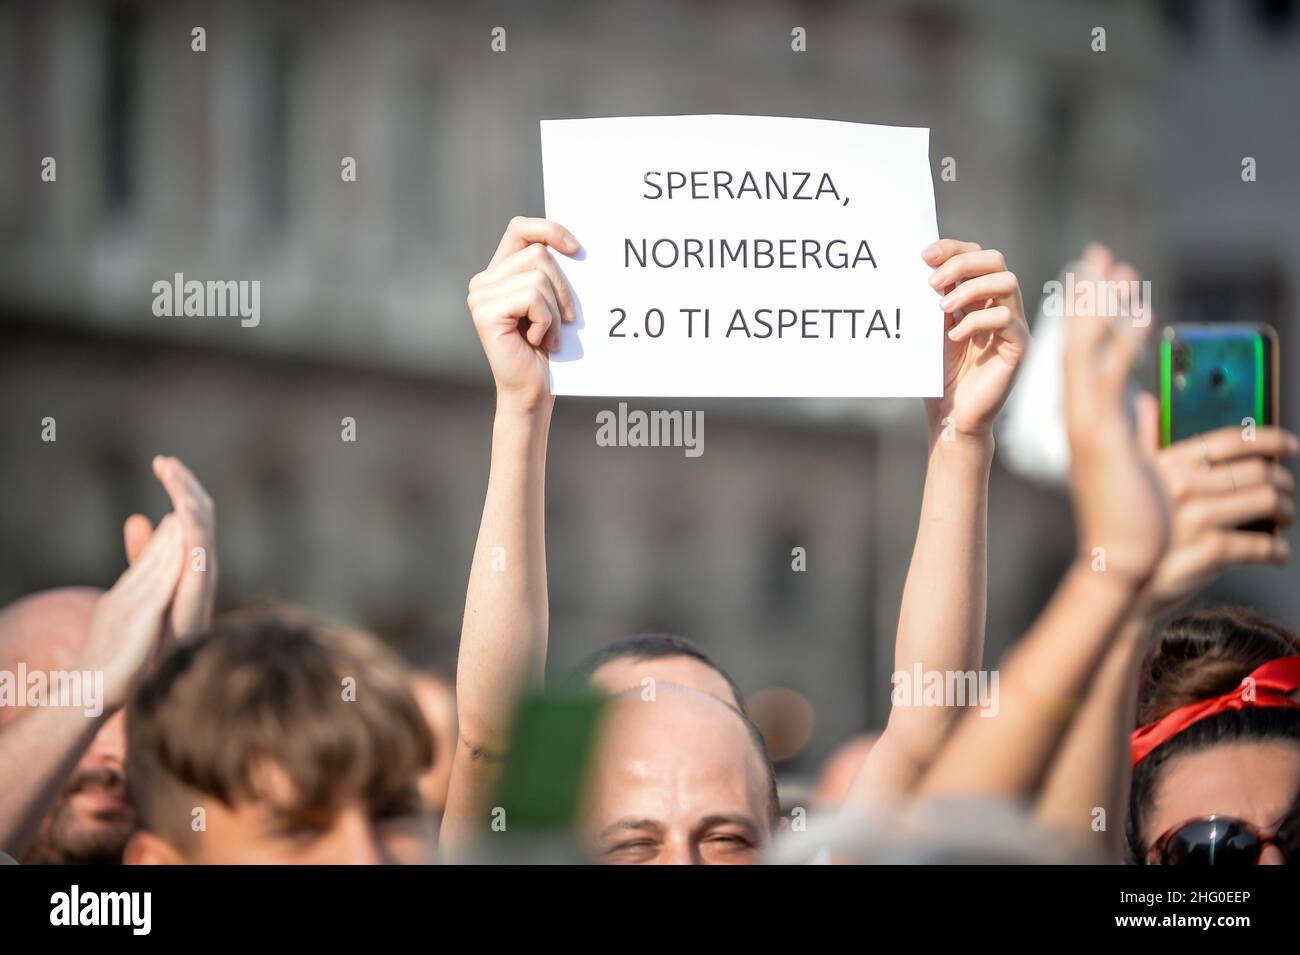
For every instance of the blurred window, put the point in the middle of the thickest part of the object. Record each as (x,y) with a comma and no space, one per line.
(1242,297)
(272,143)
(121,105)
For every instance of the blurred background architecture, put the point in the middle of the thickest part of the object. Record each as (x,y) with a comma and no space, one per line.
(225,164)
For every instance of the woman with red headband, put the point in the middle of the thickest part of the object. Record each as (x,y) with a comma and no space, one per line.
(1216,761)
(1227,750)
(1216,756)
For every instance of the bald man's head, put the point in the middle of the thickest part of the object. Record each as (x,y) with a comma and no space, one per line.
(45,631)
(679,777)
(91,818)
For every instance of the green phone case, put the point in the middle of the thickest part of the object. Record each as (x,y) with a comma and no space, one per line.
(1214,376)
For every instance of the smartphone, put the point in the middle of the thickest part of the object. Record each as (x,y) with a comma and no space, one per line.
(1214,376)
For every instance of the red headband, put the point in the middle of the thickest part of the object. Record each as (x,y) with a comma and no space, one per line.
(1272,682)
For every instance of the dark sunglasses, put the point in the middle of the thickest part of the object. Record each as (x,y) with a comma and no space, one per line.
(1221,840)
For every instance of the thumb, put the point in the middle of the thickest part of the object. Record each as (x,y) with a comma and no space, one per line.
(1147,409)
(136,533)
(153,577)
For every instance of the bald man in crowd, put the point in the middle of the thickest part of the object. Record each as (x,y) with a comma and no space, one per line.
(68,805)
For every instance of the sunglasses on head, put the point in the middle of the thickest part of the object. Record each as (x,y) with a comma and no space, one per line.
(1221,840)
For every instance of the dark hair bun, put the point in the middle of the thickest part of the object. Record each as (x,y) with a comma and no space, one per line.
(1207,653)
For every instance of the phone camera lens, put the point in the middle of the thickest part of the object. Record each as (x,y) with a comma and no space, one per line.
(1218,378)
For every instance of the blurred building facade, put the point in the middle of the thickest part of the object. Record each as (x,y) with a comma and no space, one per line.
(225,164)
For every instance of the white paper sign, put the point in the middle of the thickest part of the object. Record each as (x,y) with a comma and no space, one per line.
(745,256)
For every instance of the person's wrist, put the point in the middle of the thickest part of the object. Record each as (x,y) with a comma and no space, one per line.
(982,439)
(942,427)
(979,444)
(524,406)
(1099,572)
(521,426)
(935,412)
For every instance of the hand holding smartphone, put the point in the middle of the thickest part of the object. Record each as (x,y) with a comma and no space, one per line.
(1217,376)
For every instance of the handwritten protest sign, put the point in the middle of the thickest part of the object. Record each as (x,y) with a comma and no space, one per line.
(744,256)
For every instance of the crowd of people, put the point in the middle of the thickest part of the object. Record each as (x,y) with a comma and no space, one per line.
(1127,727)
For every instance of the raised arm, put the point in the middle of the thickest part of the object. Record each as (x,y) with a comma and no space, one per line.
(518,304)
(1122,524)
(941,620)
(1090,770)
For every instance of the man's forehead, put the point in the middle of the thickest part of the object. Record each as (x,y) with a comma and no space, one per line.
(711,746)
(675,791)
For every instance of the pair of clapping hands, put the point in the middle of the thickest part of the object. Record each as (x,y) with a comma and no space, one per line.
(166,593)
